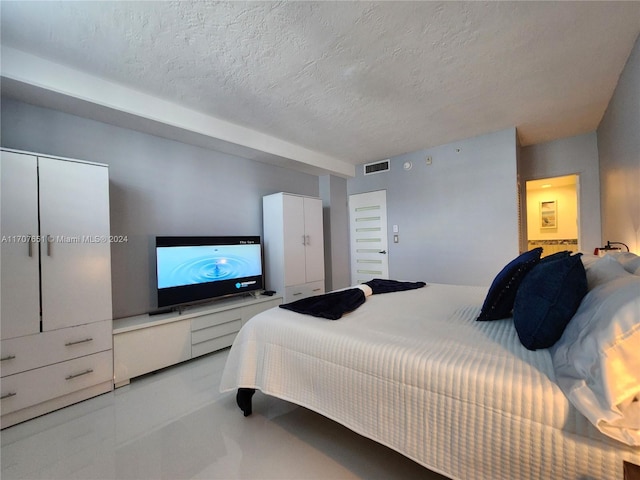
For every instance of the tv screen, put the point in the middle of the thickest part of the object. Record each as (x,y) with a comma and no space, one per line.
(193,269)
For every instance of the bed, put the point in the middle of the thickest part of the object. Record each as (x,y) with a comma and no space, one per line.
(414,370)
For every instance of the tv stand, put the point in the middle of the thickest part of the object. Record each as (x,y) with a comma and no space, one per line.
(145,343)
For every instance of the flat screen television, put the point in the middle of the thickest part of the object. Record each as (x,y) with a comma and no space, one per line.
(195,269)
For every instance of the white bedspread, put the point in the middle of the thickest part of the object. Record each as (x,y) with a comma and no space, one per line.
(414,371)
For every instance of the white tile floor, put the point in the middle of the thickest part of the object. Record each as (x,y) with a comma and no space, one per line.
(174,424)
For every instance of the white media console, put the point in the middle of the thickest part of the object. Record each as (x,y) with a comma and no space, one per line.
(144,343)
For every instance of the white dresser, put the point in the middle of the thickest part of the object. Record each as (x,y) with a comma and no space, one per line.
(55,267)
(293,245)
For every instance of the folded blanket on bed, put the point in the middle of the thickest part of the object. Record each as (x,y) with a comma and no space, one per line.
(382,285)
(335,304)
(329,305)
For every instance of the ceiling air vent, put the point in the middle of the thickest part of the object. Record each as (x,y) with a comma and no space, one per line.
(376,167)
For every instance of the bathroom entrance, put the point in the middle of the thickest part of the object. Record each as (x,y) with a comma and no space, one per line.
(553,214)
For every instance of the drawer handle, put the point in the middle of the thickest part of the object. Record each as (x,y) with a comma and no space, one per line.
(86,372)
(297,293)
(8,357)
(8,395)
(78,341)
(317,289)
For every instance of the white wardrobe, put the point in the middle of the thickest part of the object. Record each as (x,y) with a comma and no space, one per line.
(293,245)
(55,296)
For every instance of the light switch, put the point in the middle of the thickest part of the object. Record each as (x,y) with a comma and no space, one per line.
(395,229)
(395,239)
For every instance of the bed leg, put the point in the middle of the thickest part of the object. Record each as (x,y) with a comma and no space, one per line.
(243,399)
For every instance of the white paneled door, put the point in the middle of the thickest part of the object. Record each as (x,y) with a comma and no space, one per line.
(368,236)
(314,240)
(303,239)
(75,253)
(294,240)
(20,297)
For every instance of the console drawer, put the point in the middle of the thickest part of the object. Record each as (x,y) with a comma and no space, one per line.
(217,318)
(41,384)
(216,331)
(34,351)
(217,343)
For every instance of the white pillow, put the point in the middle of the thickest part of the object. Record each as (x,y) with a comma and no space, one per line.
(603,270)
(588,259)
(597,359)
(630,262)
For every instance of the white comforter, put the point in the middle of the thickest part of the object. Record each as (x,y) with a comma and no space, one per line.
(414,371)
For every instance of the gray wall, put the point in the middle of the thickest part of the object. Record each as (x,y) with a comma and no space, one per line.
(619,150)
(333,191)
(157,187)
(458,217)
(573,155)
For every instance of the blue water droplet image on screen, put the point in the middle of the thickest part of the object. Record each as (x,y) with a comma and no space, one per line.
(191,265)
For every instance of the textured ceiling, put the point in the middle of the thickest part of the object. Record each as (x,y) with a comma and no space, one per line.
(357,81)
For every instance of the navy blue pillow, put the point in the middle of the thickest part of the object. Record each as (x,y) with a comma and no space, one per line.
(502,293)
(555,256)
(547,299)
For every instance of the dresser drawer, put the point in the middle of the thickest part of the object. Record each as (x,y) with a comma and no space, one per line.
(304,290)
(33,351)
(41,384)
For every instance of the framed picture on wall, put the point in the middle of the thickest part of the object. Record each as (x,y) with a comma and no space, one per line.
(549,214)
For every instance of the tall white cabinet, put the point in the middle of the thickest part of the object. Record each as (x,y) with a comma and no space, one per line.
(55,295)
(293,245)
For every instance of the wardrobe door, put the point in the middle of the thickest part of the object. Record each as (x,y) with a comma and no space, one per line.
(294,240)
(20,300)
(76,255)
(314,251)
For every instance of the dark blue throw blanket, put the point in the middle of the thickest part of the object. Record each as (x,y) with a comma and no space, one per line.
(382,285)
(330,305)
(335,304)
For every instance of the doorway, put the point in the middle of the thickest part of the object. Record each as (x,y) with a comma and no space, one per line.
(553,212)
(368,236)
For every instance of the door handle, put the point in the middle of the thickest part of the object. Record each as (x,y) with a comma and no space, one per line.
(384,252)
